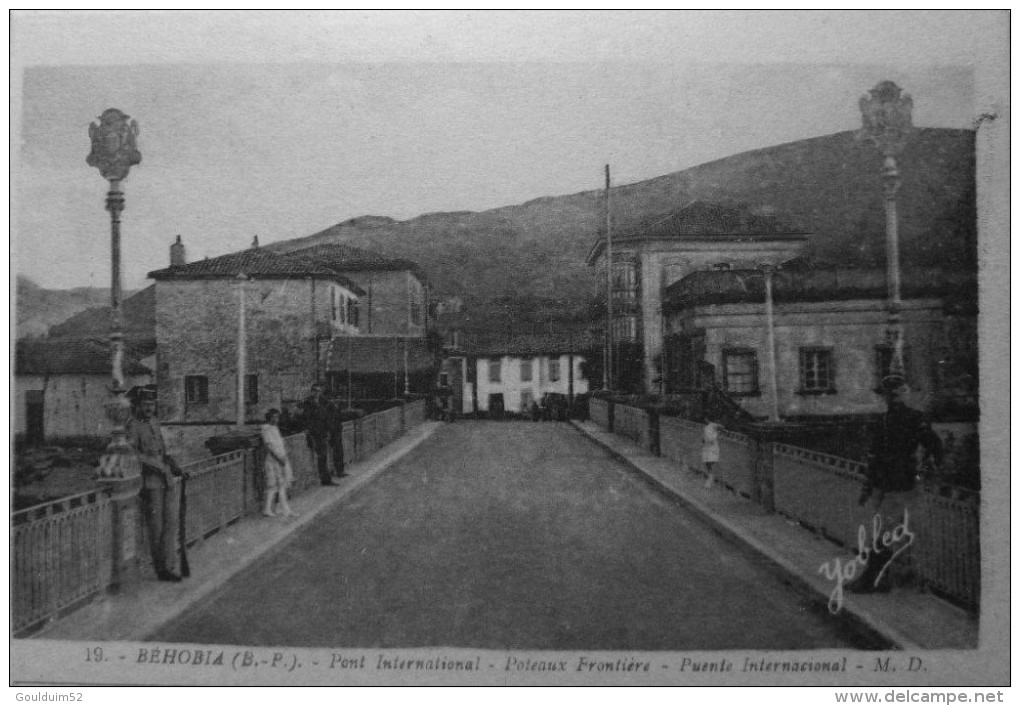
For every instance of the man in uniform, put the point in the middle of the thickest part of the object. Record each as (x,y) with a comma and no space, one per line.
(319,415)
(158,500)
(894,464)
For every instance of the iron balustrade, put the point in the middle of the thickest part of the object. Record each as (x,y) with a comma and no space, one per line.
(63,552)
(59,557)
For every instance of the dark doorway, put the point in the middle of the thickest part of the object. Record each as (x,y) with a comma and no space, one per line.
(34,415)
(496,409)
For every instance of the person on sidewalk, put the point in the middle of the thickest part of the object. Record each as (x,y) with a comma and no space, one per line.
(710,450)
(904,446)
(279,474)
(317,415)
(159,501)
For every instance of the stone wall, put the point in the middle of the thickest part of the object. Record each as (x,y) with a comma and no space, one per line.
(197,334)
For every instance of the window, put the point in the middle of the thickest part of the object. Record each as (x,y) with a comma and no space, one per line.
(416,312)
(495,371)
(625,281)
(740,372)
(816,372)
(526,370)
(554,369)
(343,309)
(444,379)
(251,389)
(357,312)
(526,400)
(722,266)
(332,303)
(625,328)
(196,389)
(352,311)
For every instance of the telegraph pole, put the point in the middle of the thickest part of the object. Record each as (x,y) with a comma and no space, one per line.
(609,286)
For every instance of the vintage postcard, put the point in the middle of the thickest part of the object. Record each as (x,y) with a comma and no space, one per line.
(516,348)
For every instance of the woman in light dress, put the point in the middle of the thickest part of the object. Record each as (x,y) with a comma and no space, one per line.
(279,474)
(710,450)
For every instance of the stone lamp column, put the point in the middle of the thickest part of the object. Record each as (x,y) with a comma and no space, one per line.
(113,153)
(886,114)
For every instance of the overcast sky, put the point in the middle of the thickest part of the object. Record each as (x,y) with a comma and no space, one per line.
(283,129)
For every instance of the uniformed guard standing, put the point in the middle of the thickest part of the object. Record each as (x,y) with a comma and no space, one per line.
(159,506)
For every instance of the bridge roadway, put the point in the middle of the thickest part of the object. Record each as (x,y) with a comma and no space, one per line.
(509,535)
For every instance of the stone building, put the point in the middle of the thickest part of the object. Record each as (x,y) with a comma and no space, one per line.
(657,253)
(61,386)
(831,348)
(294,308)
(392,353)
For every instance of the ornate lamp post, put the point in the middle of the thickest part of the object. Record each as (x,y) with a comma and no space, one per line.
(886,113)
(113,153)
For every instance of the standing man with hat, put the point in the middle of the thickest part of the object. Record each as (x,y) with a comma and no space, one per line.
(904,444)
(158,500)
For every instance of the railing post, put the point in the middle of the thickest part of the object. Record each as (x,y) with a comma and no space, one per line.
(126,522)
(654,444)
(763,476)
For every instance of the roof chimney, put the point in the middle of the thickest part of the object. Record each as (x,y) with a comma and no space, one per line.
(255,243)
(177,254)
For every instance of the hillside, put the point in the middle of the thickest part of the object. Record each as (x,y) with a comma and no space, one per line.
(38,309)
(534,253)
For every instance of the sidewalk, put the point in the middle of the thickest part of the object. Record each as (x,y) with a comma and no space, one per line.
(905,618)
(143,606)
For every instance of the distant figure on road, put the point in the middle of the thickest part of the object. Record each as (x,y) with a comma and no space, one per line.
(904,446)
(317,414)
(158,506)
(279,474)
(710,450)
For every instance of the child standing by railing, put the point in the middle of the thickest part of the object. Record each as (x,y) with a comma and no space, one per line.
(710,450)
(279,474)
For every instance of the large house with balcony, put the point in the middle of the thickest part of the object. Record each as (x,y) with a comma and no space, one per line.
(293,308)
(830,333)
(697,237)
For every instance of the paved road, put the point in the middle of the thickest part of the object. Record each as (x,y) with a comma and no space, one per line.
(508,535)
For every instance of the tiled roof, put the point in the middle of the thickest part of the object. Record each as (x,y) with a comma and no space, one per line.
(529,345)
(348,258)
(256,263)
(813,285)
(700,220)
(378,354)
(69,356)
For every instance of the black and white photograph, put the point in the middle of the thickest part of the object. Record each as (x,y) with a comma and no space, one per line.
(510,348)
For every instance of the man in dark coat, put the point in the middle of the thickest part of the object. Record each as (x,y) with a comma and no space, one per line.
(318,415)
(903,445)
(159,505)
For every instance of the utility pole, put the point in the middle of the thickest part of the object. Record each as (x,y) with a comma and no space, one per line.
(609,286)
(242,352)
(769,270)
